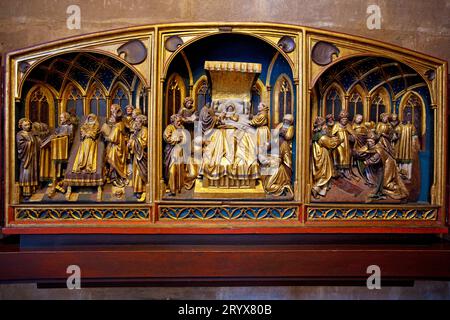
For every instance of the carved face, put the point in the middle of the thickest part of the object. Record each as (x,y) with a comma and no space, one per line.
(130,110)
(370,143)
(358,119)
(135,113)
(177,122)
(91,119)
(230,109)
(394,117)
(188,103)
(344,121)
(26,125)
(63,118)
(137,125)
(385,118)
(330,120)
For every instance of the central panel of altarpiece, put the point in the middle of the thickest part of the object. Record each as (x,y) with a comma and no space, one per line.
(230,128)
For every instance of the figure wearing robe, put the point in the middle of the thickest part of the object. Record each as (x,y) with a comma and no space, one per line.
(188,114)
(406,147)
(280,181)
(138,148)
(384,168)
(86,157)
(260,121)
(116,150)
(360,132)
(385,131)
(208,119)
(342,154)
(322,166)
(42,132)
(28,154)
(219,152)
(176,169)
(60,144)
(128,118)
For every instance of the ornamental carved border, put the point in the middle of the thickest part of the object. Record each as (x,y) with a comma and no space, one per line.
(82,214)
(228,213)
(358,214)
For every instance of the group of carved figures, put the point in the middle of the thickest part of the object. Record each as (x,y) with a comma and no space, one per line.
(382,154)
(231,149)
(44,155)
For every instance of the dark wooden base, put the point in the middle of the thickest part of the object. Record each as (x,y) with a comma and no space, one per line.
(223,260)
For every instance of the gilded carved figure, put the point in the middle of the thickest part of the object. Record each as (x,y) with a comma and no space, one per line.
(28,154)
(187,111)
(116,150)
(279,182)
(322,166)
(42,131)
(385,131)
(60,144)
(406,146)
(342,154)
(378,154)
(176,156)
(260,121)
(137,145)
(86,158)
(381,161)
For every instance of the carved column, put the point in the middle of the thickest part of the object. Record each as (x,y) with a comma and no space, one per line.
(86,107)
(108,107)
(367,108)
(346,99)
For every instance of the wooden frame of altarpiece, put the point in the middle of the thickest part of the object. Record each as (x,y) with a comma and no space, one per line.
(152,52)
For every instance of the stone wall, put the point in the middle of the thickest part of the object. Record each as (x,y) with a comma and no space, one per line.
(414,24)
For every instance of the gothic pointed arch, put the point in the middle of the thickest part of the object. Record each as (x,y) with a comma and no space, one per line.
(333,100)
(175,94)
(97,100)
(283,98)
(380,102)
(40,105)
(72,100)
